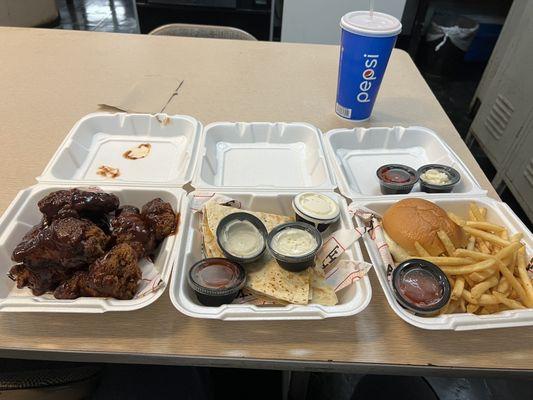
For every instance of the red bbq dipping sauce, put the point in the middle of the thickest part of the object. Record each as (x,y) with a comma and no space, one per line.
(421,286)
(396,178)
(216,281)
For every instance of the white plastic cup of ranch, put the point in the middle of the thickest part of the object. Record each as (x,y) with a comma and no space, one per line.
(367,40)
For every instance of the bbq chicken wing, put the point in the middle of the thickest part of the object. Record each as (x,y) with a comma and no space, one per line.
(116,275)
(77,203)
(161,217)
(132,228)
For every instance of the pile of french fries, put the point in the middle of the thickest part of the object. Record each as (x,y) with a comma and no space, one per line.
(490,275)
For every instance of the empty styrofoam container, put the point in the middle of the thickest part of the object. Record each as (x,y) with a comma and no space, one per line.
(352,299)
(101,139)
(356,154)
(23,213)
(498,213)
(262,156)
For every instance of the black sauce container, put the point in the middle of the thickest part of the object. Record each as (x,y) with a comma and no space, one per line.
(428,268)
(211,295)
(404,178)
(295,263)
(320,223)
(452,173)
(241,216)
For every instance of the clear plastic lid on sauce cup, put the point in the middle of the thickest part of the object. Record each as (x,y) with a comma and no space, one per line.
(429,187)
(216,281)
(421,287)
(396,178)
(294,245)
(316,209)
(242,237)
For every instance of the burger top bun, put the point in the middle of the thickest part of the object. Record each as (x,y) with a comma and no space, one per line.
(412,220)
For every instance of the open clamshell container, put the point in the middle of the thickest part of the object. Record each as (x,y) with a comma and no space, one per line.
(23,214)
(498,213)
(263,166)
(356,154)
(102,139)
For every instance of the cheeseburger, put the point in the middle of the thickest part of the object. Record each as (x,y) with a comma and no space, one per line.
(417,220)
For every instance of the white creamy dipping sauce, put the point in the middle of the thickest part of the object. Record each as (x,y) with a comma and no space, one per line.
(317,205)
(242,239)
(293,242)
(435,177)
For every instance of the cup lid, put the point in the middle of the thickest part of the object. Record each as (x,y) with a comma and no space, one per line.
(316,205)
(424,300)
(216,277)
(377,25)
(241,237)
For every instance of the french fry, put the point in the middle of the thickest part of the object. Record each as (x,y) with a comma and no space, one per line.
(502,307)
(504,234)
(492,308)
(483,212)
(447,261)
(398,253)
(485,226)
(471,243)
(469,282)
(482,287)
(462,305)
(452,306)
(514,283)
(455,218)
(513,304)
(421,251)
(482,245)
(468,269)
(447,242)
(458,288)
(503,285)
(476,212)
(484,299)
(471,216)
(522,273)
(489,237)
(503,253)
(516,237)
(484,311)
(472,308)
(482,275)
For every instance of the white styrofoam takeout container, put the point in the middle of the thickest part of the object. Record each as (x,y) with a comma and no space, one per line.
(356,154)
(352,299)
(23,213)
(262,156)
(102,138)
(498,213)
(264,165)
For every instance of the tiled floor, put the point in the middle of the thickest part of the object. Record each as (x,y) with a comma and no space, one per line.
(98,15)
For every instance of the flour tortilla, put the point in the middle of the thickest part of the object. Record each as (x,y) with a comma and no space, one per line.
(215,212)
(264,277)
(322,293)
(270,280)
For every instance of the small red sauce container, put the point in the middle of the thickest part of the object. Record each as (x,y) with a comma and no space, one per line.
(216,281)
(396,178)
(421,287)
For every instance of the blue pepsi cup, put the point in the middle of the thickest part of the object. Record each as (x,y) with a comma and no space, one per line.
(366,46)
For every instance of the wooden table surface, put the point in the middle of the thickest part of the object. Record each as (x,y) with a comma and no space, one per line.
(51,78)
